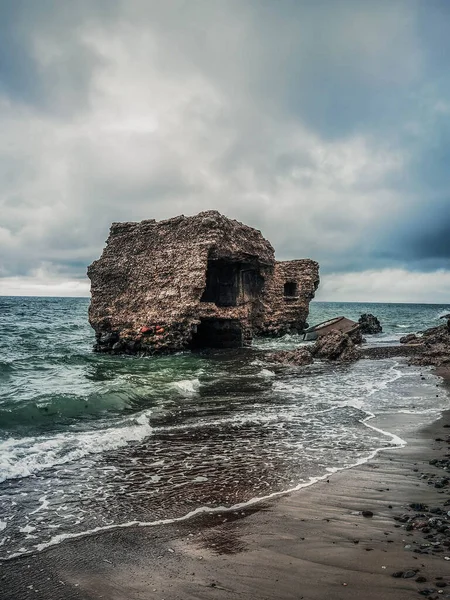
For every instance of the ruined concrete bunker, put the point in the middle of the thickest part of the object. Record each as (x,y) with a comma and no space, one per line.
(193,283)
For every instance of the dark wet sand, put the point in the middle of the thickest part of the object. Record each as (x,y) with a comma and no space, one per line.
(313,544)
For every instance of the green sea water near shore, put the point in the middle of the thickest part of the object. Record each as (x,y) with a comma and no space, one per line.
(90,441)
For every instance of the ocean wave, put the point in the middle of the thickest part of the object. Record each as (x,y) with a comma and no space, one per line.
(384,338)
(443,313)
(187,386)
(52,409)
(27,456)
(395,441)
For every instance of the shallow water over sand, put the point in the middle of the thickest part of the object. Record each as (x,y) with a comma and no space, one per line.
(90,441)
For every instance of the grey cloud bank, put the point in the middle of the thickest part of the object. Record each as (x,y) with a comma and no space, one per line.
(324,124)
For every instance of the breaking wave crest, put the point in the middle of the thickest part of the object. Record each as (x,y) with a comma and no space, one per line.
(27,456)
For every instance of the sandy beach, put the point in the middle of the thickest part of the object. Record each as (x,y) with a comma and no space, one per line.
(344,537)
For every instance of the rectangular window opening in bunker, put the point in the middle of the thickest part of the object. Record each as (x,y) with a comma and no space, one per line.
(218,333)
(229,283)
(290,289)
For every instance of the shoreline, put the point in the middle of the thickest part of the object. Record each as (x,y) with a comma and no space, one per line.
(395,440)
(310,543)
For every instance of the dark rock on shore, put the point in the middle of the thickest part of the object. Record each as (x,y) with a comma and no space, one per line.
(336,345)
(390,351)
(447,317)
(430,525)
(297,357)
(356,336)
(411,338)
(430,347)
(369,324)
(434,346)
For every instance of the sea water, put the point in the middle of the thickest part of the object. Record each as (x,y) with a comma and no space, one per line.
(90,442)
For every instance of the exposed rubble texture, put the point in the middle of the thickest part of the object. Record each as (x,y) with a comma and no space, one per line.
(382,352)
(335,345)
(193,282)
(356,336)
(430,347)
(298,357)
(410,338)
(434,347)
(369,324)
(287,296)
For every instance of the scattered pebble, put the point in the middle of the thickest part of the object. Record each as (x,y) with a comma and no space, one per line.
(409,574)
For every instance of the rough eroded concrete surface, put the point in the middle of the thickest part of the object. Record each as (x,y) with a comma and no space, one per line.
(193,282)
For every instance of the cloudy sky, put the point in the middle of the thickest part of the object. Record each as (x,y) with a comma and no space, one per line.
(325,124)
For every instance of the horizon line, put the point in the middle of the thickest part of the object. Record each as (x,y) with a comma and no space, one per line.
(312,301)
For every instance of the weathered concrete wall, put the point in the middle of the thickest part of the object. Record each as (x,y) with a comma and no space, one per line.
(147,286)
(162,286)
(287,308)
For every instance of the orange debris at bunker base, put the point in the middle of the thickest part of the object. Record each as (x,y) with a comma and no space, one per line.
(194,282)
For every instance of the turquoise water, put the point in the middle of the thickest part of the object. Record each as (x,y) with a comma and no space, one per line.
(90,441)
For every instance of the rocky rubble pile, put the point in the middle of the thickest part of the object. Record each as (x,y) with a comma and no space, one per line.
(410,338)
(297,357)
(434,346)
(335,345)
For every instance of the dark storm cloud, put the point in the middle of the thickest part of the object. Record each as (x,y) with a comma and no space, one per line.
(324,124)
(423,240)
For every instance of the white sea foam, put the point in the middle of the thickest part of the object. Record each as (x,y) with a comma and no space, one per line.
(187,386)
(59,538)
(27,529)
(27,456)
(267,373)
(42,506)
(365,383)
(384,338)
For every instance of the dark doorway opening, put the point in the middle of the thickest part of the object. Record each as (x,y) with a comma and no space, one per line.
(290,289)
(229,283)
(222,283)
(218,333)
